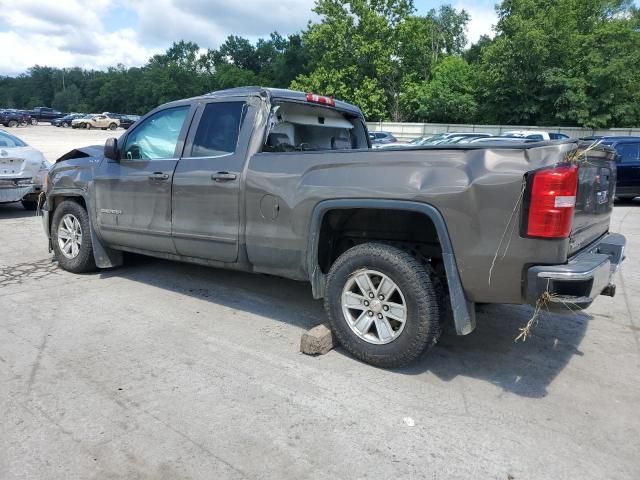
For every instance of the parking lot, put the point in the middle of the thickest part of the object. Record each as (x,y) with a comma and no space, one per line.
(160,370)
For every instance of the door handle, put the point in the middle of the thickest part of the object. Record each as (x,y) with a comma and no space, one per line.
(159,176)
(223,176)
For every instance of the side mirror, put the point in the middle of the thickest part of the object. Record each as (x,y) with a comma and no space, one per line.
(111,148)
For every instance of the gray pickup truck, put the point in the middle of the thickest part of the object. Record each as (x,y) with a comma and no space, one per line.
(398,242)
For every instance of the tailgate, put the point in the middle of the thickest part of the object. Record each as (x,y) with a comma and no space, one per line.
(594,200)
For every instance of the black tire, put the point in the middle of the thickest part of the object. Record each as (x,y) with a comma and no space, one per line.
(422,326)
(34,121)
(84,261)
(112,126)
(12,124)
(65,124)
(29,204)
(87,126)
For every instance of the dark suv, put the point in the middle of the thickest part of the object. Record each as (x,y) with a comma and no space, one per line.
(11,118)
(66,120)
(628,165)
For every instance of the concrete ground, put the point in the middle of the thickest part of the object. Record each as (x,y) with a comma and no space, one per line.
(159,370)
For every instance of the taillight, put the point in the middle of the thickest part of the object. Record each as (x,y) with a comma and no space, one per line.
(313,98)
(551,202)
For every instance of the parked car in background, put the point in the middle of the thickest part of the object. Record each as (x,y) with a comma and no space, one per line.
(96,121)
(628,165)
(66,120)
(127,120)
(11,118)
(462,138)
(413,143)
(536,135)
(439,138)
(26,117)
(500,139)
(381,138)
(44,114)
(22,171)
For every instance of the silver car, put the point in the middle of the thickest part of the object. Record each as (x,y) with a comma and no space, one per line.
(22,171)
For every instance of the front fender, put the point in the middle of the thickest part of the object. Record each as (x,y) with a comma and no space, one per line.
(104,257)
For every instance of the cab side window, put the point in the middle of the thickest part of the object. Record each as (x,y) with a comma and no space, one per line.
(156,138)
(629,152)
(218,130)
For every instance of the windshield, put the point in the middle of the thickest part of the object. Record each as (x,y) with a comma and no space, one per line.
(9,141)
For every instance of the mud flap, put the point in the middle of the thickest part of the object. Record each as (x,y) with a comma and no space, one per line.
(105,257)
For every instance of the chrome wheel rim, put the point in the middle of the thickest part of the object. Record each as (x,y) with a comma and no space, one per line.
(70,236)
(374,307)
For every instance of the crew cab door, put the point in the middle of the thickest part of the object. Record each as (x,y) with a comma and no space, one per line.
(133,194)
(207,181)
(628,167)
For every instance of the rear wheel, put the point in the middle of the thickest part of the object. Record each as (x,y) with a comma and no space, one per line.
(34,121)
(87,126)
(29,204)
(12,123)
(71,238)
(382,305)
(113,126)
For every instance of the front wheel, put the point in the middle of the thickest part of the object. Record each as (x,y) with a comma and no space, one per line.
(382,305)
(113,126)
(71,238)
(87,126)
(13,123)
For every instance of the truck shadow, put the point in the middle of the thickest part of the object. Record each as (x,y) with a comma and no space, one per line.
(488,354)
(14,210)
(491,353)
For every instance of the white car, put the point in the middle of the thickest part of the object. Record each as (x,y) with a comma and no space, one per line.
(438,139)
(22,171)
(536,135)
(96,121)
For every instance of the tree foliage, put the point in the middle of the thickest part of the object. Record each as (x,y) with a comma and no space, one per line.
(561,62)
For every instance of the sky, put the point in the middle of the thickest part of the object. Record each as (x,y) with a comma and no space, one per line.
(96,34)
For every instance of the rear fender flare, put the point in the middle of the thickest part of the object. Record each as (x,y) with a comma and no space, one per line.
(463,309)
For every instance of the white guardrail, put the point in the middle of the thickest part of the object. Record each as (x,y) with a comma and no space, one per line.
(409,131)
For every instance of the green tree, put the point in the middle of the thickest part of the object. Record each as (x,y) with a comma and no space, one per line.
(67,100)
(568,62)
(448,98)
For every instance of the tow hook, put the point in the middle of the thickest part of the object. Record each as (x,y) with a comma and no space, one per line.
(609,290)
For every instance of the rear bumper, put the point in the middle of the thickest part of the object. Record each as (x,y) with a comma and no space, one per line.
(14,190)
(576,284)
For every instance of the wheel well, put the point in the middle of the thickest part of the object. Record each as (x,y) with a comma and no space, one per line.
(342,229)
(57,200)
(75,198)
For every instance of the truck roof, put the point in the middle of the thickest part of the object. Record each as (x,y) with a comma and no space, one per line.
(278,94)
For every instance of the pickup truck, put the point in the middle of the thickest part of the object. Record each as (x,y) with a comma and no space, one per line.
(397,242)
(44,114)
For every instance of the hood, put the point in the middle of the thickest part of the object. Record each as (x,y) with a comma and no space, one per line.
(83,152)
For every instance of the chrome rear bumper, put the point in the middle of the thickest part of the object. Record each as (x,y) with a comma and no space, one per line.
(576,284)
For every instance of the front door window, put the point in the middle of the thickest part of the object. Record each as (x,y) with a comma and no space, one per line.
(156,137)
